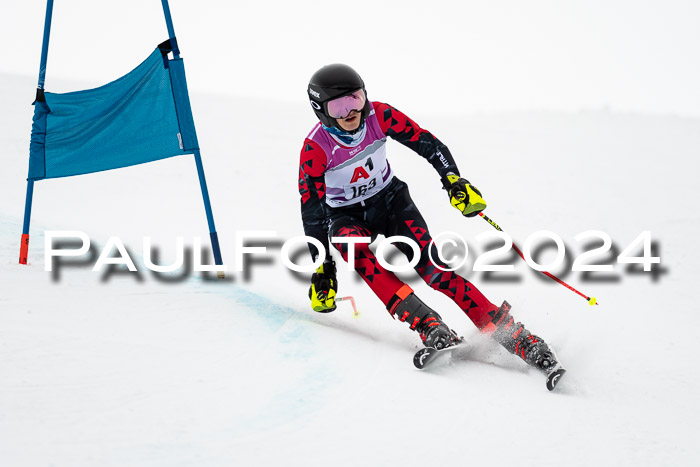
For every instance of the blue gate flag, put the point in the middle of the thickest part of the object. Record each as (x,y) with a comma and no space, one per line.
(141,117)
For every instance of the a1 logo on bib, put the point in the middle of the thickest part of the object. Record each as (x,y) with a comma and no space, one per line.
(361,185)
(359,173)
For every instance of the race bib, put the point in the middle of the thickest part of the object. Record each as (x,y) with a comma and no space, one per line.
(362,190)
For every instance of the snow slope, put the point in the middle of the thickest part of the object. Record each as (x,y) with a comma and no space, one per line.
(138,370)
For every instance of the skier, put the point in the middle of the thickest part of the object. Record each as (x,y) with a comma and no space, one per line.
(348,189)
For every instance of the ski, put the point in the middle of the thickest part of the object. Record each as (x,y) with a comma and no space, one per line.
(554,373)
(554,376)
(427,355)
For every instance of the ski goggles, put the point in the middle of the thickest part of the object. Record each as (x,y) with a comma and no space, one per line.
(341,107)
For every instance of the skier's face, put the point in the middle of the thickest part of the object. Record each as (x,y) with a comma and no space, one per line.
(351,122)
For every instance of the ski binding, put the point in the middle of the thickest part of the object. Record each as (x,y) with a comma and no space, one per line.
(427,355)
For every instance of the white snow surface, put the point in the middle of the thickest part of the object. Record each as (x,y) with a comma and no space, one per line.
(131,370)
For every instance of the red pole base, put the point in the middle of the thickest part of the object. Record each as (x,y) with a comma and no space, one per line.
(24,249)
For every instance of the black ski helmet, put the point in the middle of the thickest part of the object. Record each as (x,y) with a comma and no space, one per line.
(333,81)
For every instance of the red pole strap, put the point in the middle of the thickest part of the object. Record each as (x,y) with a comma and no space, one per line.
(591,300)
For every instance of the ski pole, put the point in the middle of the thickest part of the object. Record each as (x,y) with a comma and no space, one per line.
(355,311)
(591,300)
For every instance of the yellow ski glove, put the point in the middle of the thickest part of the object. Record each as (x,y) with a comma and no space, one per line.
(323,288)
(464,196)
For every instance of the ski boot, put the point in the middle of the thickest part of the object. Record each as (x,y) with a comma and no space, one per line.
(519,341)
(421,318)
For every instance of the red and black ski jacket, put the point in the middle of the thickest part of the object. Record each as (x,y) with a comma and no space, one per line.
(354,171)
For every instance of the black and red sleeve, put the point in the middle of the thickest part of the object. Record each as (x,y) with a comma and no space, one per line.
(398,126)
(312,188)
